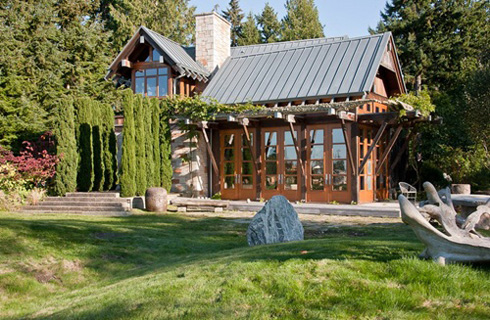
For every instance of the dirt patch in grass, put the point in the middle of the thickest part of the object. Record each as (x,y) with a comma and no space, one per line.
(50,269)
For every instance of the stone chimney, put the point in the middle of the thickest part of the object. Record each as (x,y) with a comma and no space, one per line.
(212,40)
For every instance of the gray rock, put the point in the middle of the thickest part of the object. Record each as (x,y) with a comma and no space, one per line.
(276,222)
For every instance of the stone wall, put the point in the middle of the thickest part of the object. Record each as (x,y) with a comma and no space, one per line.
(212,40)
(190,165)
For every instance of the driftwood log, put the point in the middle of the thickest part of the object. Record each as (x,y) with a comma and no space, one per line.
(458,241)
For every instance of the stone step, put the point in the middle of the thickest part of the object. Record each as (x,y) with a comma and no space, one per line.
(66,203)
(87,200)
(90,213)
(92,194)
(81,209)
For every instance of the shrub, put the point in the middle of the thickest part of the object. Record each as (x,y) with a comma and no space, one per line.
(85,176)
(65,179)
(128,159)
(140,138)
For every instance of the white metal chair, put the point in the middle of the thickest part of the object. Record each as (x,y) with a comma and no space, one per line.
(408,191)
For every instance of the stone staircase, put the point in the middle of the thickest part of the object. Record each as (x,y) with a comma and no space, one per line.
(89,203)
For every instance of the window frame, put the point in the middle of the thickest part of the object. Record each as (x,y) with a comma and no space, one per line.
(144,66)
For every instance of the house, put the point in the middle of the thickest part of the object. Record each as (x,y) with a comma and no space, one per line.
(327,131)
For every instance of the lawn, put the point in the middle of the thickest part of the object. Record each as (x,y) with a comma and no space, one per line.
(184,267)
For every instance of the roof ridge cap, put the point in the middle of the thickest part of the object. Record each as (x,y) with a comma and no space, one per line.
(161,35)
(345,37)
(308,46)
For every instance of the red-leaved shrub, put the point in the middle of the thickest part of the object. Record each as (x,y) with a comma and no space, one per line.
(34,165)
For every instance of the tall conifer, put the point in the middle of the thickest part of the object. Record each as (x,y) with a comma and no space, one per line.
(234,15)
(139,117)
(85,176)
(155,137)
(128,158)
(270,27)
(165,148)
(250,32)
(150,163)
(98,148)
(301,21)
(65,179)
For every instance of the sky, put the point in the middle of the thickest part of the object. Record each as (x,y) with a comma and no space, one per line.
(339,17)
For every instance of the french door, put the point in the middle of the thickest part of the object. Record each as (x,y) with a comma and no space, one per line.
(236,166)
(327,175)
(280,171)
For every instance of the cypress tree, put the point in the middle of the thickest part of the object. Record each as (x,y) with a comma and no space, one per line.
(98,149)
(155,136)
(139,117)
(109,145)
(128,158)
(65,179)
(85,176)
(165,149)
(150,163)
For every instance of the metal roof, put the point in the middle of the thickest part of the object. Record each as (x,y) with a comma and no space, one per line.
(321,69)
(176,55)
(268,47)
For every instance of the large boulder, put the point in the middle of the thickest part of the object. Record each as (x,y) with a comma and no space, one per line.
(276,222)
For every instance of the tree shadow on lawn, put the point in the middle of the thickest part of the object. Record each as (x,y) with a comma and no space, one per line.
(142,243)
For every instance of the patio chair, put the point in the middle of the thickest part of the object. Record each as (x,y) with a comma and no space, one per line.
(408,191)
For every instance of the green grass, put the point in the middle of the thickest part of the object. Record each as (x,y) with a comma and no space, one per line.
(174,267)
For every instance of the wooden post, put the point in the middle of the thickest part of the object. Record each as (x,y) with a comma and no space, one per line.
(373,145)
(354,133)
(208,146)
(388,148)
(349,150)
(249,143)
(402,150)
(296,146)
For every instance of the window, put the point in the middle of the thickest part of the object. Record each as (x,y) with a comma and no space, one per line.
(151,82)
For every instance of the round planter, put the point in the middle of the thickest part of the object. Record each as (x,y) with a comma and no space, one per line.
(156,199)
(461,188)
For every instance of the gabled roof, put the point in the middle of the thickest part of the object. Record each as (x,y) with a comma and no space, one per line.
(326,68)
(268,47)
(174,54)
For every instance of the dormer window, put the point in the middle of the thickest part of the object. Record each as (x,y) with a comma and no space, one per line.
(151,82)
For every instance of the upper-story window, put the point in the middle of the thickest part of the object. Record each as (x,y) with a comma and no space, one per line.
(152,82)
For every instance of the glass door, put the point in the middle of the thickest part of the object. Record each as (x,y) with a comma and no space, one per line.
(281,173)
(228,170)
(327,175)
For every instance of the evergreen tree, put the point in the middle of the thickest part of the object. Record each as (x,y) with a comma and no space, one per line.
(234,15)
(171,18)
(65,179)
(437,41)
(98,148)
(250,32)
(165,148)
(301,21)
(85,175)
(109,145)
(139,120)
(128,158)
(270,27)
(150,163)
(155,136)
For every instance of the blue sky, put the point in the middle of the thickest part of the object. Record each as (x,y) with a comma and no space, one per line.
(339,17)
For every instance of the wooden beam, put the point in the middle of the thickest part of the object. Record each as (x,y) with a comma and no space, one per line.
(388,148)
(210,151)
(373,145)
(296,146)
(349,150)
(402,150)
(249,145)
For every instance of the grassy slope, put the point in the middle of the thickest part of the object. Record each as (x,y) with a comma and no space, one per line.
(177,267)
